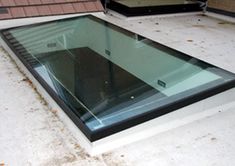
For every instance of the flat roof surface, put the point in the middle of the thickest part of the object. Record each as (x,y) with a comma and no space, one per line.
(32,134)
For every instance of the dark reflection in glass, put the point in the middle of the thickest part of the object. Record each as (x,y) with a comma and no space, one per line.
(151,7)
(97,83)
(145,3)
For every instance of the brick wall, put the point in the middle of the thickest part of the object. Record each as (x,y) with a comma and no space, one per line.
(227,5)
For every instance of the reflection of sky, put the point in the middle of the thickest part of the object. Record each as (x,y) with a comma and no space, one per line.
(42,71)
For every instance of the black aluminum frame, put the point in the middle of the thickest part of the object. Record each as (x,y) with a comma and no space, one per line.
(150,10)
(130,122)
(223,12)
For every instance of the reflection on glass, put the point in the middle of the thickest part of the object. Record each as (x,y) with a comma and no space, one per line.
(142,3)
(107,75)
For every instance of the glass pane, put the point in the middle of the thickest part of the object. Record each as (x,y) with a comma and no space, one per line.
(142,3)
(106,74)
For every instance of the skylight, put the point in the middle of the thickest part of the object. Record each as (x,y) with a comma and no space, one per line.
(108,79)
(148,7)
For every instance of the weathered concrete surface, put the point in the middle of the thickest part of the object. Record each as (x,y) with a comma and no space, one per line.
(208,142)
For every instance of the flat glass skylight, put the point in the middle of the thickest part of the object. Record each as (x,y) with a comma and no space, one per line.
(108,79)
(145,3)
(148,7)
